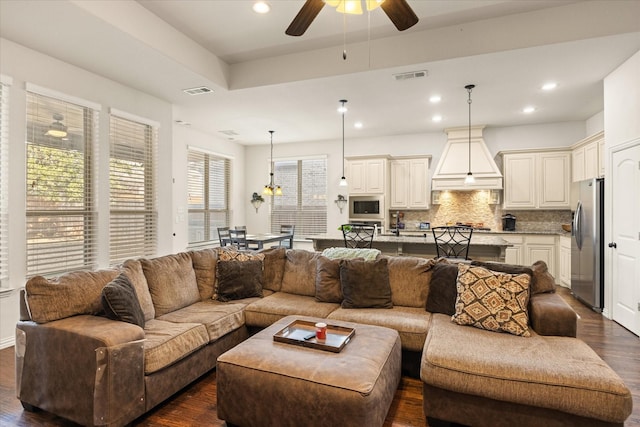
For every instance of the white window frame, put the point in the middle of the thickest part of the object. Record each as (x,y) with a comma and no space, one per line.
(5,84)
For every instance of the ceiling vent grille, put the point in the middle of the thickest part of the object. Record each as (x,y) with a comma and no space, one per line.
(410,75)
(197,90)
(229,132)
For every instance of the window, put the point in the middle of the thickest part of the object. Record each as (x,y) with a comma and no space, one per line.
(132,189)
(209,186)
(4,187)
(304,199)
(60,207)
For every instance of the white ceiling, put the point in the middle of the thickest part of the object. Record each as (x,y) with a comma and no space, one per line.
(263,79)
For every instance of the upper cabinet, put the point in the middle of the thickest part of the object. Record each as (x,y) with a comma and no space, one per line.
(410,183)
(367,175)
(587,158)
(536,179)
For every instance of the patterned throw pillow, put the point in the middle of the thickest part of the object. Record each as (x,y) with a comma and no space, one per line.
(238,275)
(493,301)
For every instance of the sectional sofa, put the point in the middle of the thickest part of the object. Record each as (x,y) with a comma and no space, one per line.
(104,347)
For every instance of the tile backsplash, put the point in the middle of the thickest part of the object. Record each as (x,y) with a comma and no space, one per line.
(474,207)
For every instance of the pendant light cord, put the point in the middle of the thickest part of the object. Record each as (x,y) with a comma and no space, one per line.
(271,163)
(469,89)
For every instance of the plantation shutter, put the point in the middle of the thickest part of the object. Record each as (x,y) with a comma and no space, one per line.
(4,186)
(60,206)
(209,188)
(304,199)
(132,189)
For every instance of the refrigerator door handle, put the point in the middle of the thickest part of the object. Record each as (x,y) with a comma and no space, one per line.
(577,225)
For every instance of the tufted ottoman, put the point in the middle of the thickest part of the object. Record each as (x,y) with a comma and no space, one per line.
(480,378)
(265,383)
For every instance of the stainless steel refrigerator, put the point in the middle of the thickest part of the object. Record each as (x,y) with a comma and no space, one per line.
(587,243)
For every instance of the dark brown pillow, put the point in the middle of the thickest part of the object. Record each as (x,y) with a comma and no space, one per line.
(365,284)
(238,279)
(542,281)
(328,287)
(442,289)
(503,268)
(120,301)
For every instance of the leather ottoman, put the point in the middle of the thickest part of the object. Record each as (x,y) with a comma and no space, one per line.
(261,382)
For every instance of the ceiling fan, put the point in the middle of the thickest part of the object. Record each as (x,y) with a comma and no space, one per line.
(398,12)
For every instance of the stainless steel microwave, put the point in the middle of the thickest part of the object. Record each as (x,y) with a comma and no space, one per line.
(366,207)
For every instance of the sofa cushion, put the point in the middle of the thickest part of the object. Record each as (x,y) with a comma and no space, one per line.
(365,284)
(543,281)
(558,373)
(409,278)
(442,289)
(492,300)
(167,342)
(238,279)
(172,282)
(328,287)
(300,272)
(204,265)
(70,294)
(133,269)
(268,310)
(120,301)
(412,323)
(219,319)
(273,270)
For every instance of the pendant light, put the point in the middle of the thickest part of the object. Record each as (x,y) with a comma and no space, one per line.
(342,109)
(469,179)
(271,189)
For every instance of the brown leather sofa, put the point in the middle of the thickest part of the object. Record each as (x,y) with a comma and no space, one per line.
(73,361)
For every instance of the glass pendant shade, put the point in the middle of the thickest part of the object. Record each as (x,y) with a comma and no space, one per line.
(343,182)
(469,179)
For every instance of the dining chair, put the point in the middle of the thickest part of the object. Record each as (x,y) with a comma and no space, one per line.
(358,235)
(223,235)
(240,227)
(452,242)
(238,238)
(287,229)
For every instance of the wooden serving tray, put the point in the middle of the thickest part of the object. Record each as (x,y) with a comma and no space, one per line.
(298,332)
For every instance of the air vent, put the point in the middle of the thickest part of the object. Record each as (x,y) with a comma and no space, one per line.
(197,90)
(229,133)
(410,75)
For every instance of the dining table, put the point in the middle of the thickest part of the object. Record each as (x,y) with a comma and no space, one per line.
(257,241)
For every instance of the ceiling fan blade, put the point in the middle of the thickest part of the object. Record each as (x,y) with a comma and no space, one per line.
(400,14)
(305,17)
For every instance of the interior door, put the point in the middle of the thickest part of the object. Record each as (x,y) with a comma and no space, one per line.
(625,233)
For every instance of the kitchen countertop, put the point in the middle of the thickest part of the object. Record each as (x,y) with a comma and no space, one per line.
(476,232)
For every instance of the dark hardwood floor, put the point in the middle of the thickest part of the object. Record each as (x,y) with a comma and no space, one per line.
(196,404)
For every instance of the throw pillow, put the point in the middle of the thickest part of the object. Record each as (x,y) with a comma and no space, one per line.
(238,279)
(492,300)
(328,287)
(504,268)
(120,301)
(238,275)
(542,281)
(442,289)
(365,284)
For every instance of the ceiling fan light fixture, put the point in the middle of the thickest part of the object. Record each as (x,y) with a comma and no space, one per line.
(57,129)
(261,7)
(354,7)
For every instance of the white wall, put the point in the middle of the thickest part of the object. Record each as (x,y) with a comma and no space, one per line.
(595,123)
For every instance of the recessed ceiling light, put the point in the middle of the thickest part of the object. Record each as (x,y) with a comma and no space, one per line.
(436,118)
(435,99)
(261,7)
(357,125)
(529,109)
(549,86)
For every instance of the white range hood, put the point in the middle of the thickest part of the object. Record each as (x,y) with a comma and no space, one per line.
(453,165)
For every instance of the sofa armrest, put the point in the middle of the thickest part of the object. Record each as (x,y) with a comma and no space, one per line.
(88,369)
(549,314)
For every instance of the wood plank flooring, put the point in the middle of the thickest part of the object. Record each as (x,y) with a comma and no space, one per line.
(196,404)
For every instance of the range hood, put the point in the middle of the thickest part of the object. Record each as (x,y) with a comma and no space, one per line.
(453,165)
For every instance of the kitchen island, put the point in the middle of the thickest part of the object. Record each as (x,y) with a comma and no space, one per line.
(483,248)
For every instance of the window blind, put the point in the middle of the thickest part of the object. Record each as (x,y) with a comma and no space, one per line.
(4,186)
(132,190)
(60,206)
(304,199)
(209,188)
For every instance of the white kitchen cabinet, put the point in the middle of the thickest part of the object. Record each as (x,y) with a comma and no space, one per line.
(564,268)
(514,254)
(541,248)
(536,179)
(587,158)
(410,183)
(367,176)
